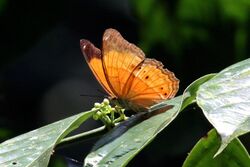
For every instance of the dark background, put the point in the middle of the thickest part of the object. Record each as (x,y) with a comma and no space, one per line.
(43,73)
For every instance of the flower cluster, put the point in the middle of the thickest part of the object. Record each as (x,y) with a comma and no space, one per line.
(107,114)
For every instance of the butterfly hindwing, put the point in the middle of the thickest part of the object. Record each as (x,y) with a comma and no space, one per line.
(150,83)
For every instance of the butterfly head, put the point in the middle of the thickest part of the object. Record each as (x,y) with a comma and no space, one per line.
(126,104)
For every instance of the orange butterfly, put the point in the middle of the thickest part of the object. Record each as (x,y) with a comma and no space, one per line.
(126,75)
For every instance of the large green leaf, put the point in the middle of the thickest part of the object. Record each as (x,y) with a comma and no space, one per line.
(35,148)
(235,155)
(225,101)
(189,95)
(121,150)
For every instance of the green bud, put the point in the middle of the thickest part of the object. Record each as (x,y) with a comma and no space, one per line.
(97,105)
(106,101)
(109,108)
(95,117)
(113,109)
(99,114)
(94,109)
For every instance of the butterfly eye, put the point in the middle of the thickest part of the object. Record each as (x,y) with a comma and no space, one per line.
(146,77)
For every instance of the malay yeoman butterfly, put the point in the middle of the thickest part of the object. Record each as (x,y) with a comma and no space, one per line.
(126,75)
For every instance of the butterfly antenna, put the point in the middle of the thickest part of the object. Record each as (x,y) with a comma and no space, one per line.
(102,92)
(96,96)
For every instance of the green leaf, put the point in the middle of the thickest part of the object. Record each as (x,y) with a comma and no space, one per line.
(225,101)
(120,151)
(235,155)
(189,95)
(35,148)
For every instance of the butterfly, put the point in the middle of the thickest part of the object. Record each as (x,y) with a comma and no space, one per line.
(128,77)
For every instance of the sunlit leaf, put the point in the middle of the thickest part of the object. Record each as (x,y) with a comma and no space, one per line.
(225,101)
(189,95)
(35,148)
(235,155)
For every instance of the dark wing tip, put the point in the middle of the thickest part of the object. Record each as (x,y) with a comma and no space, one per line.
(89,50)
(113,39)
(84,42)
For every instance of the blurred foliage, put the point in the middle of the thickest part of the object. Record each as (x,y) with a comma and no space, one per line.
(4,134)
(2,5)
(176,24)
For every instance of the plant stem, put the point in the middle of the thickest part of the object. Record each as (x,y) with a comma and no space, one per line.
(82,136)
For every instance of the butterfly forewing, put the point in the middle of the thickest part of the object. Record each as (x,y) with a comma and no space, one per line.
(120,58)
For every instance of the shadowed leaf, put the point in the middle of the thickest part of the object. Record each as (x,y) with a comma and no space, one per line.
(35,148)
(202,154)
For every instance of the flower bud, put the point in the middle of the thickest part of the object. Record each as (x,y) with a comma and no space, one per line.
(97,105)
(106,101)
